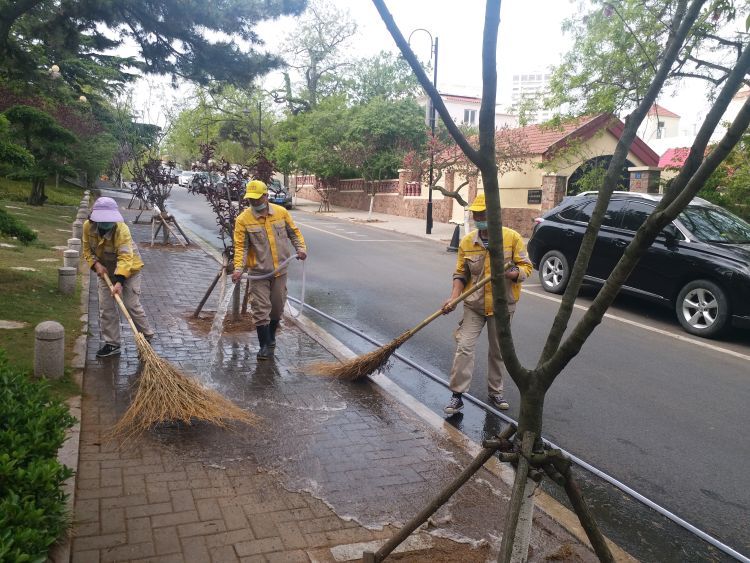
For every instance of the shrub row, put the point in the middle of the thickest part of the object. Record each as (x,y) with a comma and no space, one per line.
(13,227)
(32,504)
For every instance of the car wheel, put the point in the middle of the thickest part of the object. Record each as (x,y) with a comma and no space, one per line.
(702,308)
(554,272)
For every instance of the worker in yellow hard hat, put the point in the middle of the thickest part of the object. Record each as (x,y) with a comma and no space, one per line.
(264,237)
(473,264)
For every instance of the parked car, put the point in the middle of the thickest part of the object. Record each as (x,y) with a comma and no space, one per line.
(279,194)
(699,265)
(184,178)
(202,181)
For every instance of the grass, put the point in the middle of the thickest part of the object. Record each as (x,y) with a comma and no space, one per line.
(18,190)
(32,296)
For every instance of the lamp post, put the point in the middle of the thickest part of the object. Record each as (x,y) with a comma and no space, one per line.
(431,114)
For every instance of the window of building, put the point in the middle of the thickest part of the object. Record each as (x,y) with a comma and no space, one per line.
(470,116)
(659,129)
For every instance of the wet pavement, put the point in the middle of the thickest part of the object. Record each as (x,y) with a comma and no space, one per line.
(331,463)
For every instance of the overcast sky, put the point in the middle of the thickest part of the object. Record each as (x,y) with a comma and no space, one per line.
(529,40)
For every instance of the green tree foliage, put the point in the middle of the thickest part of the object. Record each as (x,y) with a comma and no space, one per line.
(47,141)
(618,46)
(13,227)
(380,133)
(315,57)
(12,155)
(386,76)
(196,41)
(729,186)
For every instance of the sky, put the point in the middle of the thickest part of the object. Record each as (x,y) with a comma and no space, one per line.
(530,39)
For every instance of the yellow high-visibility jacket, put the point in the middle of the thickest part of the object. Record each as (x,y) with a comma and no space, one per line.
(265,239)
(473,263)
(115,250)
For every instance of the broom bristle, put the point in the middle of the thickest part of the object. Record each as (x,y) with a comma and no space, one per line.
(361,366)
(165,394)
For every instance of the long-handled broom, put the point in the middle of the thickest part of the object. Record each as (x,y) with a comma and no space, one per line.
(165,394)
(366,364)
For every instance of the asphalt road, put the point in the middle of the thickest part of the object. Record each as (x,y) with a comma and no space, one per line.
(659,410)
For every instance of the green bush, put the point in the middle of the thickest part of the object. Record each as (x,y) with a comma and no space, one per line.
(32,504)
(13,227)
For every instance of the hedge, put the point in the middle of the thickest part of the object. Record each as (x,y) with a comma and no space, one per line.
(32,429)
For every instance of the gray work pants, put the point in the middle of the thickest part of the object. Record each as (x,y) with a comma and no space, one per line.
(109,312)
(267,299)
(466,342)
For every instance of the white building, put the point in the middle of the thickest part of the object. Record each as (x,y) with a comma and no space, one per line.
(660,123)
(465,110)
(531,87)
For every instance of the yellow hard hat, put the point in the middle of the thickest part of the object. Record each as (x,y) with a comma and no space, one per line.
(255,189)
(478,204)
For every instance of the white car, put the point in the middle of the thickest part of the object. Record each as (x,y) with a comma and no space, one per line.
(184,178)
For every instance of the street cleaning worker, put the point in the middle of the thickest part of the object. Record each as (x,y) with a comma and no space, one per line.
(264,235)
(473,264)
(109,249)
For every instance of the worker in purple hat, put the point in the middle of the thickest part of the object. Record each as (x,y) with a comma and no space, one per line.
(109,249)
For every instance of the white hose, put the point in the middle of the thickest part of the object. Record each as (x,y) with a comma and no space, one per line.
(247,276)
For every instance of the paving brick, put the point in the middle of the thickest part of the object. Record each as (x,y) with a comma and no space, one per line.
(194,550)
(208,509)
(182,501)
(264,545)
(262,525)
(167,541)
(113,520)
(201,528)
(99,542)
(128,552)
(174,518)
(291,535)
(224,554)
(148,509)
(91,556)
(234,517)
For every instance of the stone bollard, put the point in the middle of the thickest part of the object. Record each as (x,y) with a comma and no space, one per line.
(66,280)
(74,244)
(70,259)
(83,213)
(77,228)
(49,350)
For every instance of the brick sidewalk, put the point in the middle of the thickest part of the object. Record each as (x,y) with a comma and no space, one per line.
(332,463)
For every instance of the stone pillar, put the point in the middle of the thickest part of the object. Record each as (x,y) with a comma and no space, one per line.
(74,244)
(49,350)
(83,213)
(66,280)
(644,179)
(553,190)
(70,259)
(77,228)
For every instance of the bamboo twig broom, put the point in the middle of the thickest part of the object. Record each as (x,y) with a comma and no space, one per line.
(165,394)
(371,362)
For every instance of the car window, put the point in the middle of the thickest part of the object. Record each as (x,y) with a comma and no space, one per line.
(614,213)
(580,213)
(713,224)
(635,214)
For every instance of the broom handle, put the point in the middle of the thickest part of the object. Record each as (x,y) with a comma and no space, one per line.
(121,304)
(480,284)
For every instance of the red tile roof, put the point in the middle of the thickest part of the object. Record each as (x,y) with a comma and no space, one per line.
(656,109)
(674,158)
(546,140)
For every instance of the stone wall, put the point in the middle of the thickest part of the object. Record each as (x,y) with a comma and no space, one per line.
(520,219)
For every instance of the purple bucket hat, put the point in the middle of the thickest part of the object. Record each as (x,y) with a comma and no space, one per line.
(105,211)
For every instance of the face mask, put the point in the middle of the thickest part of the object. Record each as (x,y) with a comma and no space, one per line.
(481,225)
(105,227)
(260,207)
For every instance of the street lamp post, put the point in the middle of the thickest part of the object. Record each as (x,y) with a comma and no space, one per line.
(431,113)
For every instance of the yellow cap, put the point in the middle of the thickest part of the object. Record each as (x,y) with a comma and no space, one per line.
(478,204)
(255,189)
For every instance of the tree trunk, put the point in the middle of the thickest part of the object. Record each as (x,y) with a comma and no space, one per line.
(37,196)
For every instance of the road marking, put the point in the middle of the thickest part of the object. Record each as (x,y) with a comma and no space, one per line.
(308,226)
(680,337)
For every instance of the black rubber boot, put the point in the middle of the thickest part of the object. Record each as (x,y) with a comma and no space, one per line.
(272,333)
(264,335)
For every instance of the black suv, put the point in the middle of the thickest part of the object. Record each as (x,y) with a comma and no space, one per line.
(699,265)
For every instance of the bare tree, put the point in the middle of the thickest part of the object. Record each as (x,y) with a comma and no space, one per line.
(683,28)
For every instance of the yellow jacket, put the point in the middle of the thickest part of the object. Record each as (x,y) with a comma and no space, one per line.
(115,250)
(473,264)
(265,239)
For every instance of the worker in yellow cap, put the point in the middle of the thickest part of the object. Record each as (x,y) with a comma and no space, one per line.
(264,237)
(473,264)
